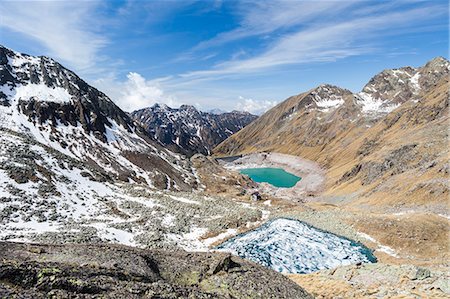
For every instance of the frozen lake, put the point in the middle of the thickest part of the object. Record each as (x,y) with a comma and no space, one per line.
(291,246)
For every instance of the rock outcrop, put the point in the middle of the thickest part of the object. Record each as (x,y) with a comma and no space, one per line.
(108,271)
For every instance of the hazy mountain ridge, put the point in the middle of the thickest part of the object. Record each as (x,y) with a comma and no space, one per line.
(188,130)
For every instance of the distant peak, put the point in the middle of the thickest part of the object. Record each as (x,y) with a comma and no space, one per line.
(162,105)
(326,85)
(439,59)
(240,112)
(437,63)
(187,107)
(324,89)
(216,111)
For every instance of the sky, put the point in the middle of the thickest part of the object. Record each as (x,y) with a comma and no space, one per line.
(231,55)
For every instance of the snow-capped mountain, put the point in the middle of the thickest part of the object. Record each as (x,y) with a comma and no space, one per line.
(316,117)
(51,104)
(188,130)
(391,88)
(76,168)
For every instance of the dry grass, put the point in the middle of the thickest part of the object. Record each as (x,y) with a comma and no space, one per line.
(337,145)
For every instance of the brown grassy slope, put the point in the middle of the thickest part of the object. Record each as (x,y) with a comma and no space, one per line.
(400,159)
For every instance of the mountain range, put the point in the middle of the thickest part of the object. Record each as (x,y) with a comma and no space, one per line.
(390,136)
(187,130)
(75,168)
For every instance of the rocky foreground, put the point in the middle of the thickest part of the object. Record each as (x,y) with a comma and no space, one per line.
(376,281)
(114,271)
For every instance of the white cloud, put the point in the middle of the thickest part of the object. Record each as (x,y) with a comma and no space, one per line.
(136,92)
(254,106)
(65,28)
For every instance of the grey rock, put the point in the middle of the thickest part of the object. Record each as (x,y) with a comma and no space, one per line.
(108,271)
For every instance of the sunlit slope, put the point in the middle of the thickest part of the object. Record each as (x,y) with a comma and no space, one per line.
(387,143)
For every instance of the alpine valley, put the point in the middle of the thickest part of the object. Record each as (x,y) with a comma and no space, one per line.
(99,203)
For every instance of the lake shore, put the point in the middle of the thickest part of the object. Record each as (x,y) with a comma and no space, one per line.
(312,175)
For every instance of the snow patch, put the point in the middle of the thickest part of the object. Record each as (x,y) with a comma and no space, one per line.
(415,81)
(43,93)
(383,248)
(371,105)
(184,200)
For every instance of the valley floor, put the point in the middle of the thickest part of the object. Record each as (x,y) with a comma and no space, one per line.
(405,240)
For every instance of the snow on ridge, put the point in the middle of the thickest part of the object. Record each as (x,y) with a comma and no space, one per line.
(326,98)
(43,93)
(371,105)
(398,72)
(20,59)
(415,81)
(331,102)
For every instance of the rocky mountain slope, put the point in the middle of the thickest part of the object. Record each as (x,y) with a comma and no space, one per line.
(390,136)
(51,104)
(108,271)
(76,168)
(188,130)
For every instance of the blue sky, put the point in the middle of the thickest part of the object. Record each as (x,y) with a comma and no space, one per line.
(245,55)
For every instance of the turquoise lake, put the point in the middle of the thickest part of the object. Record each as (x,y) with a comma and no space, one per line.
(277,177)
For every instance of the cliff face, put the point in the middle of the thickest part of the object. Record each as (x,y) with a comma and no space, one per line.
(390,136)
(188,130)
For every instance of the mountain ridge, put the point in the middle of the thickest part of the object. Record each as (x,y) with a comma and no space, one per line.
(346,138)
(42,98)
(188,130)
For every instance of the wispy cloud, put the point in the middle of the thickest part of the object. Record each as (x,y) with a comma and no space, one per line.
(66,29)
(265,17)
(268,42)
(324,41)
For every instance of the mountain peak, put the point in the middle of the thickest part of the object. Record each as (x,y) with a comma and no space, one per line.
(327,96)
(188,108)
(437,64)
(439,60)
(41,98)
(158,106)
